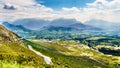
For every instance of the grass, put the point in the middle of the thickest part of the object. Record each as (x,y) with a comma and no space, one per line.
(16,53)
(4,64)
(67,54)
(13,53)
(61,60)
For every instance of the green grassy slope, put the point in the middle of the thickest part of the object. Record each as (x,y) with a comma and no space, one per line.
(65,60)
(75,55)
(14,51)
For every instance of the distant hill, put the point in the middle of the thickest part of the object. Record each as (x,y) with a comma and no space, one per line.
(84,27)
(32,24)
(105,25)
(60,24)
(71,28)
(59,28)
(63,22)
(17,28)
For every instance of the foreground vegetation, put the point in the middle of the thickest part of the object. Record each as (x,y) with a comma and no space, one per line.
(13,52)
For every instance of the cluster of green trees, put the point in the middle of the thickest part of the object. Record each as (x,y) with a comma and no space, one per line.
(108,40)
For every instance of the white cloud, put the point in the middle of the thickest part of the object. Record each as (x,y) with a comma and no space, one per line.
(105,4)
(73,9)
(19,2)
(105,10)
(100,9)
(25,9)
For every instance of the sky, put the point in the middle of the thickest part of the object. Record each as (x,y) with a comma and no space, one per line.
(81,10)
(58,4)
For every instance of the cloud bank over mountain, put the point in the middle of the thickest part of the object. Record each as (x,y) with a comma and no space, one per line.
(108,10)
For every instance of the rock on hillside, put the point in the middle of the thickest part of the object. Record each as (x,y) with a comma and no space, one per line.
(7,35)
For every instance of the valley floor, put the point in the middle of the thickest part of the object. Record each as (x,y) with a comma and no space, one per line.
(72,54)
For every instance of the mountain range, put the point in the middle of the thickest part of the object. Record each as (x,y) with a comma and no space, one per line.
(55,25)
(105,25)
(15,27)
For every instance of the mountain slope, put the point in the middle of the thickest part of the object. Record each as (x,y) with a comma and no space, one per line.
(59,28)
(68,54)
(84,27)
(13,50)
(7,35)
(13,27)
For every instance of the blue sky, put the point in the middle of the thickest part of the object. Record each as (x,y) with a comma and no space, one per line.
(58,4)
